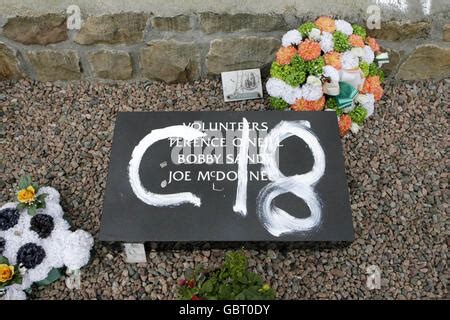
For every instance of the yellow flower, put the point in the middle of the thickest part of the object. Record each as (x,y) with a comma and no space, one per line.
(26,195)
(6,272)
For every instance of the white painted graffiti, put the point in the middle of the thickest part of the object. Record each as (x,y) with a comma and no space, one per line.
(275,220)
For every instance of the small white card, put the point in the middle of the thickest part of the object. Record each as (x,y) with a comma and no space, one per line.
(241,85)
(135,252)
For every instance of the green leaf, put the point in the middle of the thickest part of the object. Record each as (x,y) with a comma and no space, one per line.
(52,276)
(32,210)
(23,183)
(21,206)
(4,260)
(208,286)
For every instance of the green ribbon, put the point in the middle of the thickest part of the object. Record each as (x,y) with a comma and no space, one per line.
(346,95)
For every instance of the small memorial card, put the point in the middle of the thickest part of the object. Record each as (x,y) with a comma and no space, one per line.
(241,85)
(135,252)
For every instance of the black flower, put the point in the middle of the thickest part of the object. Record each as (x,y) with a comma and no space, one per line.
(2,244)
(30,255)
(8,218)
(42,224)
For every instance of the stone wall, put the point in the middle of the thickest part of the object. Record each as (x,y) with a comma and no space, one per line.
(184,43)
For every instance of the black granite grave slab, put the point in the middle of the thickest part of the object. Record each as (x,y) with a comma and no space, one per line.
(139,207)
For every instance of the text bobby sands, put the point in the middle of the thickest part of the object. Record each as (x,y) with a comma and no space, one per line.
(228,309)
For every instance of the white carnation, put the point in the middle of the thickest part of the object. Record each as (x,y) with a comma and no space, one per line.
(331,72)
(14,292)
(344,27)
(77,250)
(291,37)
(354,128)
(290,95)
(275,87)
(314,34)
(367,101)
(368,55)
(312,92)
(326,42)
(349,60)
(315,81)
(359,52)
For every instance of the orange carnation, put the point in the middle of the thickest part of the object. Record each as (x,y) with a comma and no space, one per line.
(284,54)
(356,41)
(344,124)
(326,24)
(373,44)
(373,85)
(309,50)
(306,105)
(333,59)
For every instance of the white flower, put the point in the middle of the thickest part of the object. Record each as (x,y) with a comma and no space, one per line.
(290,95)
(367,101)
(349,60)
(354,128)
(77,250)
(359,52)
(314,34)
(326,42)
(344,27)
(291,37)
(275,87)
(330,72)
(14,292)
(315,81)
(312,92)
(368,55)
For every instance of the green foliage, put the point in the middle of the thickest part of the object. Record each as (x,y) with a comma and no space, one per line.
(331,103)
(306,28)
(315,66)
(278,103)
(374,70)
(358,115)
(293,73)
(364,66)
(359,30)
(233,281)
(340,42)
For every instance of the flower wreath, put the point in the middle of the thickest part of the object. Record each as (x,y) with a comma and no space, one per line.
(328,65)
(35,241)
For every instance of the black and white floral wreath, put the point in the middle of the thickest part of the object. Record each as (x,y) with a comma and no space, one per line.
(35,245)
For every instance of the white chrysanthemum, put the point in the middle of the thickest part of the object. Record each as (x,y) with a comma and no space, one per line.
(312,92)
(290,95)
(326,42)
(291,37)
(344,27)
(331,72)
(349,60)
(367,101)
(368,55)
(275,87)
(315,34)
(77,251)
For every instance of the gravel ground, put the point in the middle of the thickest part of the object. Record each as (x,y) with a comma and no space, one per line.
(396,167)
